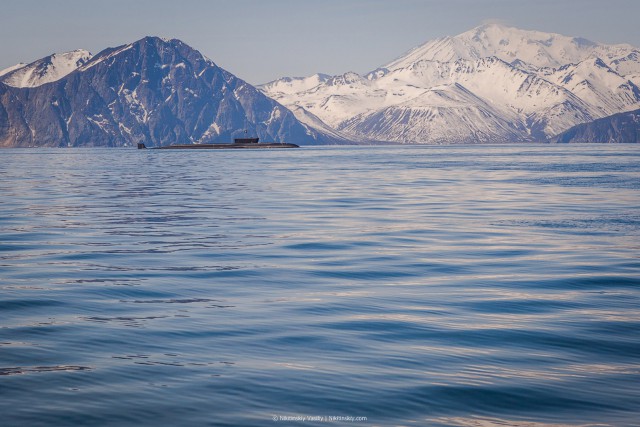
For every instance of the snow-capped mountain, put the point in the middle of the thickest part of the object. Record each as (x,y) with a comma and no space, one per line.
(493,83)
(155,91)
(510,44)
(45,70)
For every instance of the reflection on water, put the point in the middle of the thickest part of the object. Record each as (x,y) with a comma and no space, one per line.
(24,370)
(448,286)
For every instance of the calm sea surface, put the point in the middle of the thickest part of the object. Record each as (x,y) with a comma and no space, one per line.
(421,286)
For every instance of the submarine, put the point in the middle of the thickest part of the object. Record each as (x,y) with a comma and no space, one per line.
(238,143)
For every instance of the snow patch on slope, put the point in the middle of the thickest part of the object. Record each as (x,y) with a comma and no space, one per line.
(45,70)
(12,68)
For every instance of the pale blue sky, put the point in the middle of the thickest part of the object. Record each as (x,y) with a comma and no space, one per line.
(260,40)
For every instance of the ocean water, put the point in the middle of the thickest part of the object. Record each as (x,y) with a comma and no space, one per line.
(382,286)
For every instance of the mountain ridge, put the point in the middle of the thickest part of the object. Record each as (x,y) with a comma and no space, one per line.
(538,84)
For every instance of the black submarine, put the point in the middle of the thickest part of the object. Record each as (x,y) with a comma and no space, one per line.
(238,143)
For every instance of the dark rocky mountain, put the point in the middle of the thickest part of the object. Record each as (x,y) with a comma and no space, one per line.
(494,83)
(155,91)
(619,128)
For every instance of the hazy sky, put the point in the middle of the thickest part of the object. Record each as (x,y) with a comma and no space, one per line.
(260,40)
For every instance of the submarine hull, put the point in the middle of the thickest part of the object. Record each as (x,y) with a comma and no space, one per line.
(234,146)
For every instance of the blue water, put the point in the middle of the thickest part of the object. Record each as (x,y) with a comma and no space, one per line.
(427,286)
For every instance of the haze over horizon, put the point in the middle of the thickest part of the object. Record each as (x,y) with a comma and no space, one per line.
(262,41)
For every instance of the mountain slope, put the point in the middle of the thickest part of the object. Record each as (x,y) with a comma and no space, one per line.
(439,115)
(618,128)
(519,85)
(154,91)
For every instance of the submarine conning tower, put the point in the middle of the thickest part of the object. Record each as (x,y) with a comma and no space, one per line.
(246,140)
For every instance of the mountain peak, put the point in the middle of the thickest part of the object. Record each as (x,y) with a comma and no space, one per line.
(158,51)
(537,48)
(493,26)
(157,40)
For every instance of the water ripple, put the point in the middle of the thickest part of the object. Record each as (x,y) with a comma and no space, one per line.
(469,286)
